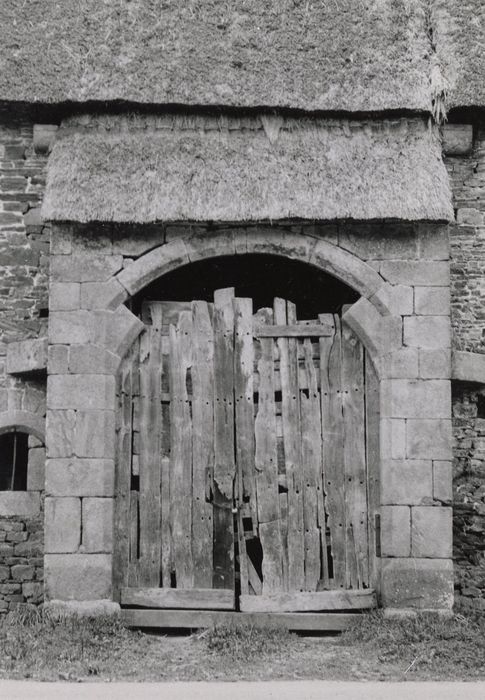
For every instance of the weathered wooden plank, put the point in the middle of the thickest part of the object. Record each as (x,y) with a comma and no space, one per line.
(291,331)
(181,452)
(244,417)
(121,530)
(311,459)
(290,410)
(133,574)
(357,549)
(150,451)
(202,443)
(196,619)
(309,602)
(224,459)
(332,433)
(195,598)
(266,466)
(372,459)
(166,523)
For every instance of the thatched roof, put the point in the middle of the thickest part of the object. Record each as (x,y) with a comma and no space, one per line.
(459,33)
(144,169)
(344,55)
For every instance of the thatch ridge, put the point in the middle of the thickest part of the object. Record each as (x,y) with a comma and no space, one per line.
(330,55)
(136,170)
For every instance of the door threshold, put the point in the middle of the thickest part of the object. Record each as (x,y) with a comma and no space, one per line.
(197,619)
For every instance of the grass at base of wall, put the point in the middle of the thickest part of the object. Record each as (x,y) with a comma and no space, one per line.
(35,645)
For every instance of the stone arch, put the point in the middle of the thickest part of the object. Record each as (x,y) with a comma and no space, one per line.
(24,422)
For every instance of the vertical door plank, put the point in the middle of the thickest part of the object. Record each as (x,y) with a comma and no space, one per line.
(202,442)
(224,462)
(266,465)
(291,436)
(181,451)
(150,451)
(133,529)
(244,417)
(354,459)
(311,455)
(166,524)
(333,445)
(372,457)
(121,558)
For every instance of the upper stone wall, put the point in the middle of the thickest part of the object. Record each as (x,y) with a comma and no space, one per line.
(350,55)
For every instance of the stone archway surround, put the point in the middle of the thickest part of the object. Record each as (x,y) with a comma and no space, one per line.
(88,339)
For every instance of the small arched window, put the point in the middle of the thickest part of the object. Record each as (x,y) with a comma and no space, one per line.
(21,456)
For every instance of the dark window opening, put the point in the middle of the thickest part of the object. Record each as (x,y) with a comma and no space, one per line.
(14,457)
(480,406)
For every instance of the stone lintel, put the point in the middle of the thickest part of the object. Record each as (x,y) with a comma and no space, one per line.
(468,367)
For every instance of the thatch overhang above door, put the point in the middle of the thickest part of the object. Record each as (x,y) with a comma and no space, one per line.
(171,168)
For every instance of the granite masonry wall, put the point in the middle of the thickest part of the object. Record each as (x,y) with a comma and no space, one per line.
(467,243)
(24,265)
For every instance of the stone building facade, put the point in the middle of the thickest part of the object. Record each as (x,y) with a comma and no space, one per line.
(70,285)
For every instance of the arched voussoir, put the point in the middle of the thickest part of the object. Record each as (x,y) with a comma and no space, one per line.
(23,422)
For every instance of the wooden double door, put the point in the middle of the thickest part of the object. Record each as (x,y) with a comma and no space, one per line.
(246,461)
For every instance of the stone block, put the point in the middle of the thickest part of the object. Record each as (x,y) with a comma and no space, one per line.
(411,398)
(406,482)
(395,531)
(425,584)
(64,296)
(435,364)
(432,301)
(61,239)
(393,438)
(457,139)
(77,576)
(400,364)
(380,334)
(33,592)
(26,356)
(429,439)
(83,608)
(58,359)
(116,330)
(468,367)
(397,300)
(433,241)
(4,574)
(71,327)
(83,392)
(22,572)
(92,359)
(344,266)
(97,514)
(61,428)
(443,481)
(431,531)
(84,268)
(36,469)
(416,272)
(80,477)
(102,295)
(21,503)
(95,434)
(427,331)
(468,216)
(378,243)
(62,524)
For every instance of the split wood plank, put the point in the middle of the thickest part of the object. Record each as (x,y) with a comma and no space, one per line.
(332,433)
(290,409)
(166,522)
(372,457)
(224,459)
(309,602)
(291,331)
(121,558)
(195,598)
(133,573)
(357,549)
(244,417)
(181,452)
(197,619)
(311,457)
(266,466)
(202,443)
(150,452)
